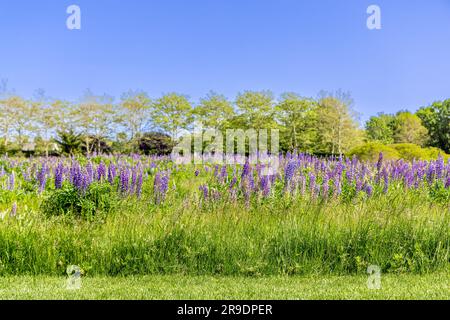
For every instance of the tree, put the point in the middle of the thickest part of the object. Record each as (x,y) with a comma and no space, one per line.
(48,118)
(408,128)
(172,113)
(214,111)
(134,113)
(297,117)
(337,126)
(156,143)
(95,116)
(21,114)
(380,128)
(436,119)
(256,110)
(69,142)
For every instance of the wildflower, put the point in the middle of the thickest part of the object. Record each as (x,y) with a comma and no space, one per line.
(13,211)
(124,180)
(289,172)
(59,171)
(101,171)
(205,191)
(42,178)
(369,190)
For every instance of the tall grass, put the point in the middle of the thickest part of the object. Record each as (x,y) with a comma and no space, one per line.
(402,232)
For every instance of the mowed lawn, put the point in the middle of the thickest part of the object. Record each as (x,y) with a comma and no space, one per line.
(430,286)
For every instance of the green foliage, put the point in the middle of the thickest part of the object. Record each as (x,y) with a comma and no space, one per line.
(436,119)
(69,142)
(407,151)
(380,128)
(155,143)
(298,119)
(172,113)
(214,111)
(68,201)
(337,127)
(408,128)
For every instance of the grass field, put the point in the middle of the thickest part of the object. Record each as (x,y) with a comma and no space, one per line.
(434,286)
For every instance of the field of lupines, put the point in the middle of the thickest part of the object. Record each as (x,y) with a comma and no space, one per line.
(117,215)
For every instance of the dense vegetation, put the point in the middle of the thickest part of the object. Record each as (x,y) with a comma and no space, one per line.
(146,215)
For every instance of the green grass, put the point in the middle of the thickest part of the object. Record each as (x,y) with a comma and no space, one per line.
(400,232)
(430,286)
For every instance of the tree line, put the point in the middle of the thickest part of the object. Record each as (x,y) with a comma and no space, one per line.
(138,123)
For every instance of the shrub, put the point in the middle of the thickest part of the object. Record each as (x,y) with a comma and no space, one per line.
(98,199)
(408,151)
(371,151)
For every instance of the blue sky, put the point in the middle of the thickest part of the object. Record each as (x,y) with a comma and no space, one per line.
(229,46)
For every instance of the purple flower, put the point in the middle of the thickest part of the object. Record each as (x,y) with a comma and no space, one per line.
(205,191)
(124,180)
(160,186)
(13,211)
(42,178)
(111,173)
(11,181)
(101,171)
(59,172)
(289,172)
(368,190)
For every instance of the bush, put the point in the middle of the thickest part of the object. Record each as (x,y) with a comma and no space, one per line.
(408,151)
(371,151)
(98,199)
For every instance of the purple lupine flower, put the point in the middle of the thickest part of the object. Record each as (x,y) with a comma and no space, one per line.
(312,182)
(134,173)
(197,172)
(59,172)
(101,171)
(439,167)
(11,181)
(265,185)
(139,184)
(380,162)
(233,182)
(325,186)
(223,173)
(124,180)
(289,172)
(42,178)
(386,180)
(447,182)
(246,170)
(89,173)
(160,186)
(13,211)
(337,187)
(111,173)
(369,190)
(205,191)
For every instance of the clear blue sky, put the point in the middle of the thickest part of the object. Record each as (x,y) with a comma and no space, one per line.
(193,46)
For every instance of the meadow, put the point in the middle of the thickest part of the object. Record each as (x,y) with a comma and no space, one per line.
(146,216)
